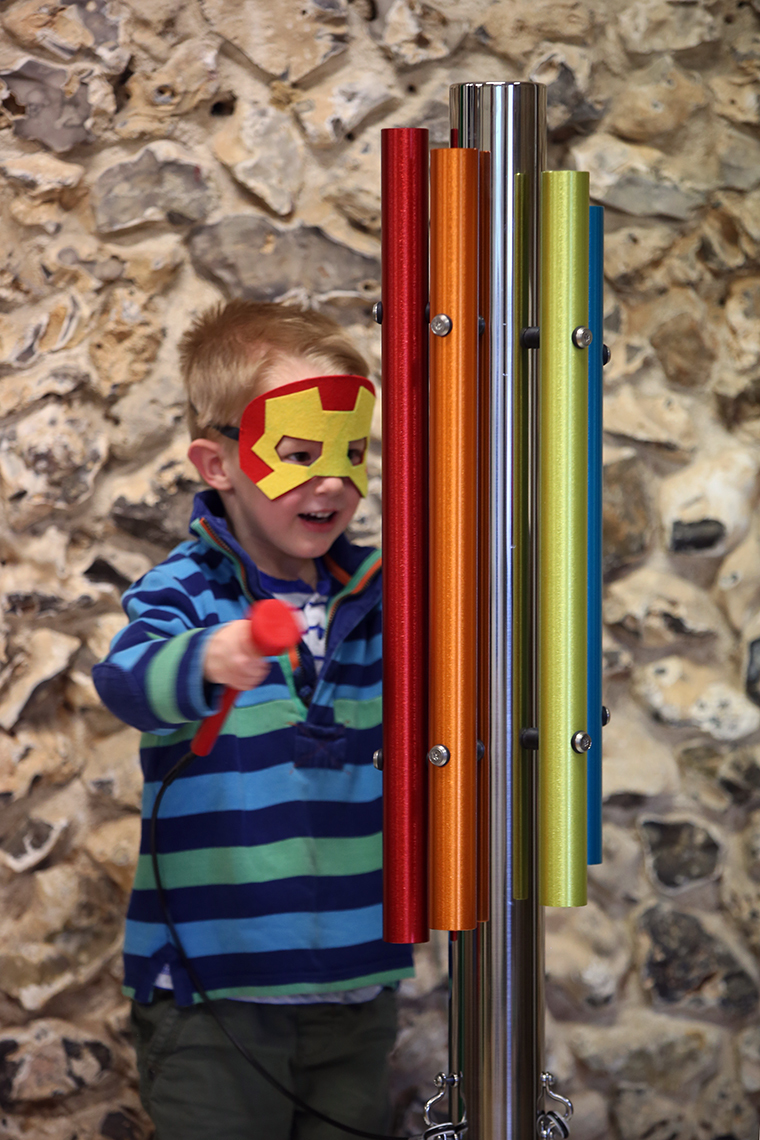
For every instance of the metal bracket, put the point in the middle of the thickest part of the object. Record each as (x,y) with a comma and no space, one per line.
(446,1130)
(549,1124)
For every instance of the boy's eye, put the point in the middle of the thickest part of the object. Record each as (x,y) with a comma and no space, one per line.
(301,451)
(356,450)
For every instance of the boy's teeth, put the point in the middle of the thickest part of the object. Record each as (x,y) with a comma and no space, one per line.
(318,514)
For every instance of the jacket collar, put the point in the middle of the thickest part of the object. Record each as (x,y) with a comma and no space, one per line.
(208,522)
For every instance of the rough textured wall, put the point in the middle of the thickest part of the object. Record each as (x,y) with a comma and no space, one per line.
(157,156)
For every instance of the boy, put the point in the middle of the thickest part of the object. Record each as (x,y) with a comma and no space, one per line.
(269,847)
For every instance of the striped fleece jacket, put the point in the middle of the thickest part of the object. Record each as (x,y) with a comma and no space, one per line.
(270,846)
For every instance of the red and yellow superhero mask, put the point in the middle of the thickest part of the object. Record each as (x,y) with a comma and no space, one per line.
(331,410)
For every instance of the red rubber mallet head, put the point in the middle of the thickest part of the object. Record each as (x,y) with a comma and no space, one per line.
(274,627)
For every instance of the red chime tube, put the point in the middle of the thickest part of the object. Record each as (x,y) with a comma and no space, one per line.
(405,531)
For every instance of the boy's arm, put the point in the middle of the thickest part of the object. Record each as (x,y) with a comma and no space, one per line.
(152,677)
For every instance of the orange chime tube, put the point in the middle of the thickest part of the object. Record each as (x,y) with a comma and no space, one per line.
(453,537)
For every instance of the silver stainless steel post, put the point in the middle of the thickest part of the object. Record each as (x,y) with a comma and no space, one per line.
(499,1048)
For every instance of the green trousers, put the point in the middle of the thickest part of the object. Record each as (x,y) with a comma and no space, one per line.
(195,1085)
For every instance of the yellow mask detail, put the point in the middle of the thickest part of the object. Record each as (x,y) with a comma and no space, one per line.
(331,410)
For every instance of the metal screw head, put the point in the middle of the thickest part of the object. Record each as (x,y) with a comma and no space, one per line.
(441,324)
(580,742)
(606,716)
(377,759)
(582,337)
(377,311)
(439,755)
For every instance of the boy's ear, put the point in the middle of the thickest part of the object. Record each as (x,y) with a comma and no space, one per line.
(211,462)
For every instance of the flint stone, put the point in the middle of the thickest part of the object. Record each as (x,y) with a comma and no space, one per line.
(739,775)
(680,852)
(649,26)
(48,1059)
(42,176)
(252,258)
(752,849)
(566,73)
(683,350)
(355,189)
(742,315)
(514,31)
(661,610)
(154,503)
(26,336)
(633,178)
(263,152)
(413,32)
(618,877)
(662,420)
(34,384)
(148,415)
(740,894)
(724,1110)
(68,28)
(56,112)
(49,461)
(689,968)
(630,251)
(627,521)
(152,265)
(30,843)
(329,113)
(641,1114)
(736,98)
(126,337)
(751,658)
(157,97)
(637,767)
(159,185)
(586,962)
(660,99)
(121,1119)
(682,694)
(289,41)
(42,758)
(114,846)
(706,508)
(649,1049)
(748,1045)
(58,944)
(738,159)
(43,654)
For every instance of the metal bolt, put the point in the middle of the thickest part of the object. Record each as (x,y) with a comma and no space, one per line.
(580,742)
(606,354)
(606,716)
(582,337)
(377,311)
(377,759)
(439,755)
(441,324)
(481,750)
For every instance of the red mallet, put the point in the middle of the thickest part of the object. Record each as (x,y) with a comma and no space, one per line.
(274,628)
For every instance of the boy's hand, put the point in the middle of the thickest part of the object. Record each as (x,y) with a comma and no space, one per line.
(232,659)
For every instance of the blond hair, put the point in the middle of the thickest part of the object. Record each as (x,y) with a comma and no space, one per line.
(230,350)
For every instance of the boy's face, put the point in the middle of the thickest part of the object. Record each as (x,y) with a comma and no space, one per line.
(283,533)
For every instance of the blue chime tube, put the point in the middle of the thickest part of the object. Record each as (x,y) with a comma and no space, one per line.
(594,618)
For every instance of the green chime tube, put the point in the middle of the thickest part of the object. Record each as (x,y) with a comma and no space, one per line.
(563,425)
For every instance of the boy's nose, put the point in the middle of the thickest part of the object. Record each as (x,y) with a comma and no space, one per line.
(328,484)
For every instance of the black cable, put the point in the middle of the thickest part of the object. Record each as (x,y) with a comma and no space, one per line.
(170,777)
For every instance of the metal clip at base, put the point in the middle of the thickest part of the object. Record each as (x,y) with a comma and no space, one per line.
(549,1124)
(446,1130)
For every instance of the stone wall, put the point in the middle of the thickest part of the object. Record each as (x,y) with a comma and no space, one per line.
(157,156)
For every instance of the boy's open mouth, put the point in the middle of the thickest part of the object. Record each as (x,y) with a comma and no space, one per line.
(318,518)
